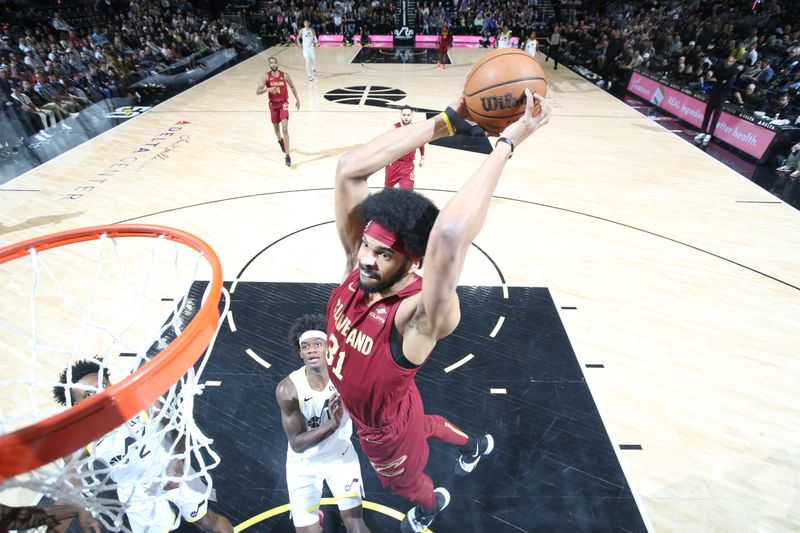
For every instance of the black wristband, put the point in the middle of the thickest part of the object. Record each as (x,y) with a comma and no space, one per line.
(508,142)
(460,126)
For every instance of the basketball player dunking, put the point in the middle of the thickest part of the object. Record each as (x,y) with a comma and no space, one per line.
(385,319)
(443,43)
(274,82)
(401,172)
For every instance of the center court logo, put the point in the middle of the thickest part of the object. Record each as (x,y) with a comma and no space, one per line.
(373,95)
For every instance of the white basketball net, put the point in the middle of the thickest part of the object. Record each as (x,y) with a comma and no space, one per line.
(116,302)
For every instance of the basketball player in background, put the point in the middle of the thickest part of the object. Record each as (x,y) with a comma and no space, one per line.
(274,83)
(145,513)
(384,319)
(319,431)
(309,40)
(503,38)
(531,44)
(555,46)
(401,171)
(443,43)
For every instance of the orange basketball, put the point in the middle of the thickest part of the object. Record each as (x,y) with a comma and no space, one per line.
(495,90)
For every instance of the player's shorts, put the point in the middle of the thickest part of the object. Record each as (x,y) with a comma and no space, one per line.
(304,479)
(149,515)
(400,173)
(277,114)
(399,452)
(309,53)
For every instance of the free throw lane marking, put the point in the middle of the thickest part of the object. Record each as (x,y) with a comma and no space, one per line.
(230,322)
(372,506)
(498,391)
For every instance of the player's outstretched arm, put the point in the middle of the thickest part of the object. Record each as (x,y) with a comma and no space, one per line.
(461,220)
(46,515)
(294,425)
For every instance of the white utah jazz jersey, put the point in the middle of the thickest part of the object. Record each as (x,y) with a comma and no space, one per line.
(531,46)
(504,40)
(314,408)
(135,459)
(308,37)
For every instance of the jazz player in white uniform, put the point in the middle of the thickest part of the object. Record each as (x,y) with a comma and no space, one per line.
(138,461)
(503,38)
(309,40)
(319,430)
(532,45)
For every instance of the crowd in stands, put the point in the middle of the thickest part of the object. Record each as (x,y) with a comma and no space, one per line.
(686,41)
(53,66)
(329,17)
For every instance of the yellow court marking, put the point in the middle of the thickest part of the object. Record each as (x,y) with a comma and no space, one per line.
(466,359)
(372,506)
(257,359)
(498,326)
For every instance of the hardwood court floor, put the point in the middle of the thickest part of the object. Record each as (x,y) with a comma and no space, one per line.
(676,274)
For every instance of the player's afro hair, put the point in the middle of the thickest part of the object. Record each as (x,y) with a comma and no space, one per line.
(80,369)
(303,324)
(405,212)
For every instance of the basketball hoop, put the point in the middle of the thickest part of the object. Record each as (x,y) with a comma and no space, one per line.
(169,325)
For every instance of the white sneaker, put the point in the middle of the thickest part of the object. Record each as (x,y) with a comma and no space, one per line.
(706,140)
(39,137)
(601,83)
(699,137)
(65,127)
(73,115)
(45,134)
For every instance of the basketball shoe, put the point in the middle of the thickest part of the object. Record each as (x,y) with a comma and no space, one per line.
(472,453)
(283,146)
(417,519)
(288,161)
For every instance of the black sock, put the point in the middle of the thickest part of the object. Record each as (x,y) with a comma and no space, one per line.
(470,447)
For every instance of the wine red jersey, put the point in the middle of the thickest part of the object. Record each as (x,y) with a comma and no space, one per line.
(277,80)
(409,157)
(376,391)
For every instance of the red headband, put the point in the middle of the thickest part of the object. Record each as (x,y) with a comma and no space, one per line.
(387,238)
